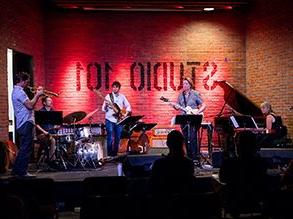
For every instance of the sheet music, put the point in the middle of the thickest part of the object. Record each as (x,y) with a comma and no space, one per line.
(235,123)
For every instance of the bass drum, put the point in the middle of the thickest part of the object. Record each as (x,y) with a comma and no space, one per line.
(89,152)
(139,144)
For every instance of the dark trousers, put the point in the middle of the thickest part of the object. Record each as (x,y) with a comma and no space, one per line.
(26,144)
(113,131)
(191,141)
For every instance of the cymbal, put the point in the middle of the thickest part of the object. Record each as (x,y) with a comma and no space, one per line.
(74,117)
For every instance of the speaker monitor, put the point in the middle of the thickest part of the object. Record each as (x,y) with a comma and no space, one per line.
(139,165)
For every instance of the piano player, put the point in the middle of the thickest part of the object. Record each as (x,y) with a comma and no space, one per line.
(274,127)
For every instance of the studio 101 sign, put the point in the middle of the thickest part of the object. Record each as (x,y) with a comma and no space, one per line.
(144,75)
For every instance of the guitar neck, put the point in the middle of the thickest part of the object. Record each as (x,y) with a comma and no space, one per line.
(178,106)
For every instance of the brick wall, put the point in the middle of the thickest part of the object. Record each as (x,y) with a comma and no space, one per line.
(21,29)
(118,39)
(78,42)
(269,47)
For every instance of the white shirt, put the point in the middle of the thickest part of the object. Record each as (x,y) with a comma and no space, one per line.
(120,100)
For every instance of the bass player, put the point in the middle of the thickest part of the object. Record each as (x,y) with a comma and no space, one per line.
(116,107)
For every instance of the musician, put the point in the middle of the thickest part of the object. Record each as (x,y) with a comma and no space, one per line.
(274,128)
(190,97)
(45,131)
(114,102)
(23,109)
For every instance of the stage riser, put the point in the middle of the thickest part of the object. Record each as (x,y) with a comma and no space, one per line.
(277,156)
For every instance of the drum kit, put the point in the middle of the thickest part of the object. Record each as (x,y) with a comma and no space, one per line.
(76,144)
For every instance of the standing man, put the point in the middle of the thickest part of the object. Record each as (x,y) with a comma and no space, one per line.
(23,109)
(116,107)
(190,97)
(47,130)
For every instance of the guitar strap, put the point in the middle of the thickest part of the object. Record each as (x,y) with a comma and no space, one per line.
(184,98)
(111,97)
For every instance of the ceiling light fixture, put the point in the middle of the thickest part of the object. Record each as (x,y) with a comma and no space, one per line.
(209,9)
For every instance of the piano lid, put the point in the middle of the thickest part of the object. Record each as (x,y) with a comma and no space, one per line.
(238,101)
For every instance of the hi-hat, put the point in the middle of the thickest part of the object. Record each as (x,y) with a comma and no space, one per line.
(74,117)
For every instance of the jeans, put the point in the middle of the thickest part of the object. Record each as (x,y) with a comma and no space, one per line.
(26,144)
(113,131)
(191,142)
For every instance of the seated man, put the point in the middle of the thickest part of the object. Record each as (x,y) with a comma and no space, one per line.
(45,132)
(173,173)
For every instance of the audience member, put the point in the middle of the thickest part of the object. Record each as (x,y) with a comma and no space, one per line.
(244,176)
(174,173)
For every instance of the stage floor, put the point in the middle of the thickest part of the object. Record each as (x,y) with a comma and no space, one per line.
(79,174)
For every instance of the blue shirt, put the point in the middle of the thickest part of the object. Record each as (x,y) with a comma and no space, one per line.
(22,113)
(193,100)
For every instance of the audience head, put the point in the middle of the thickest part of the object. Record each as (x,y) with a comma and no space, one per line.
(175,142)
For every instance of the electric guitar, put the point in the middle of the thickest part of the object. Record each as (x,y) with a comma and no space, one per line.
(119,114)
(188,110)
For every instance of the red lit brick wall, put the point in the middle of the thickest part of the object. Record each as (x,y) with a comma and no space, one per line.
(270,56)
(258,43)
(118,40)
(21,29)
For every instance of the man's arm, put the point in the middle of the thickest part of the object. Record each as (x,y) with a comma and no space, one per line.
(105,104)
(201,108)
(41,129)
(127,105)
(30,104)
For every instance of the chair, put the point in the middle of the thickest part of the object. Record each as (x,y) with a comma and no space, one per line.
(103,196)
(38,196)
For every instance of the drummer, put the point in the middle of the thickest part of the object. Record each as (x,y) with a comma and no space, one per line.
(46,131)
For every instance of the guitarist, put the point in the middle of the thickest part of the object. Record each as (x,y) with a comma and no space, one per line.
(190,97)
(113,107)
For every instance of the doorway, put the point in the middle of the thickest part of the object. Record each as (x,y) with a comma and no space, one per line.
(16,62)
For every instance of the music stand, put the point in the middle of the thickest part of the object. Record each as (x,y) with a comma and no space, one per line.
(49,117)
(129,120)
(188,121)
(141,126)
(243,122)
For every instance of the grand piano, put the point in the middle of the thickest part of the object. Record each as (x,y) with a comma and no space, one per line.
(241,108)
